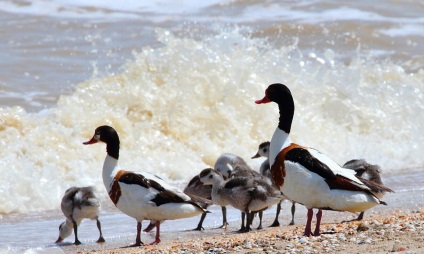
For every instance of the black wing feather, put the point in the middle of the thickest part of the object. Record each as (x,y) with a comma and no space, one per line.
(304,158)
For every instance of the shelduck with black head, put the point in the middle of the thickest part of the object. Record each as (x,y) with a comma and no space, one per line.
(307,176)
(141,195)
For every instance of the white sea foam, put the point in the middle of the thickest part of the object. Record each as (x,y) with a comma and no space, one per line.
(179,106)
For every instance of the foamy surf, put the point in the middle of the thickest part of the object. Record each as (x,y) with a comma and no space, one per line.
(179,106)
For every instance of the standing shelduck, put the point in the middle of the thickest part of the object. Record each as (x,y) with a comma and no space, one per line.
(141,195)
(307,176)
(77,204)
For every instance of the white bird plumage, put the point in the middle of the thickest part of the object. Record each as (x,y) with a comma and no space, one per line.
(141,195)
(307,176)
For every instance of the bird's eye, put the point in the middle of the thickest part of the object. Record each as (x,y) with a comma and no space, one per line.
(265,150)
(210,176)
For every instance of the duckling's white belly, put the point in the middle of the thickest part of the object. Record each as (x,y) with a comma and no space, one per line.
(85,212)
(311,190)
(259,205)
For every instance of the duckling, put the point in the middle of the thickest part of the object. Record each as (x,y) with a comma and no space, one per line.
(195,188)
(230,166)
(78,204)
(247,194)
(265,170)
(227,162)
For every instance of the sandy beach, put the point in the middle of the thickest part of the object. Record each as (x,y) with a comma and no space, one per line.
(387,231)
(397,227)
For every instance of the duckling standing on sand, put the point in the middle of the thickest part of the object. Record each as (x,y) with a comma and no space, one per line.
(247,194)
(78,204)
(265,170)
(204,191)
(229,165)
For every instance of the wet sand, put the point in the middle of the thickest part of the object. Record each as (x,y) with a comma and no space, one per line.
(382,231)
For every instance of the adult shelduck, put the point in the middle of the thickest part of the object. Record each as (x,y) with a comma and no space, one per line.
(77,204)
(307,176)
(141,195)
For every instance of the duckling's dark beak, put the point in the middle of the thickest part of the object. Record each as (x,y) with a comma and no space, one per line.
(198,184)
(59,240)
(256,156)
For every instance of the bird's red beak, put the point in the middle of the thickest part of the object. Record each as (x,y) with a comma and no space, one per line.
(263,100)
(91,141)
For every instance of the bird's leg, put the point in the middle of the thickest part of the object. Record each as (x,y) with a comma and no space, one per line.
(243,228)
(308,231)
(99,226)
(138,241)
(224,217)
(317,227)
(74,223)
(199,226)
(249,219)
(361,216)
(260,219)
(276,223)
(157,237)
(293,209)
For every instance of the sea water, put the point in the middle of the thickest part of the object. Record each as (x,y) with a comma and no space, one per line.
(178,82)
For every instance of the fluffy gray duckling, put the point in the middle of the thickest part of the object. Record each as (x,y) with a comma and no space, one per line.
(77,204)
(247,194)
(265,170)
(230,166)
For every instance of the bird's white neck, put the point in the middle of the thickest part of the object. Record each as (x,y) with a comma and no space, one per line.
(279,141)
(217,185)
(109,170)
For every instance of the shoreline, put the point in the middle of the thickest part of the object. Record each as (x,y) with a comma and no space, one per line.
(389,230)
(397,226)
